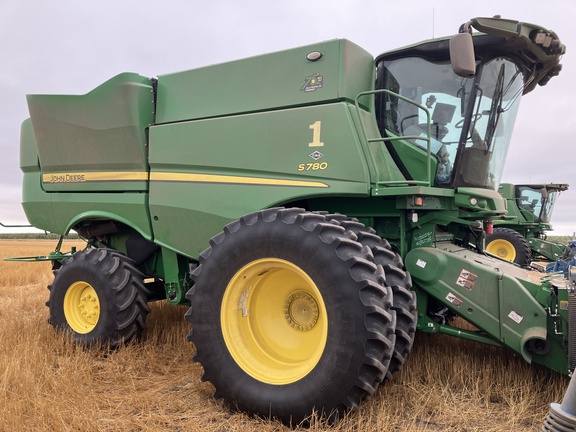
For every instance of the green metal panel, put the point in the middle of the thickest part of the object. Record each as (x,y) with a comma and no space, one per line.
(28,152)
(486,292)
(415,160)
(128,208)
(380,164)
(487,200)
(58,212)
(271,81)
(37,204)
(205,173)
(94,141)
(546,248)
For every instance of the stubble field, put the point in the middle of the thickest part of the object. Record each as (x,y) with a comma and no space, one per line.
(46,383)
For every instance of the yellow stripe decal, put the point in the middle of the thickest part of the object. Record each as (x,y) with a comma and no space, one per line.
(86,176)
(214,178)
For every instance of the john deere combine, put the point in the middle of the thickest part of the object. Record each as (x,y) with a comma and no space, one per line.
(520,235)
(314,207)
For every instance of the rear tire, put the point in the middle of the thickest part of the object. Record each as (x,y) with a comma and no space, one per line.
(509,245)
(289,316)
(99,296)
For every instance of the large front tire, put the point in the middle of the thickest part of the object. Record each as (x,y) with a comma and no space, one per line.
(509,245)
(99,296)
(289,316)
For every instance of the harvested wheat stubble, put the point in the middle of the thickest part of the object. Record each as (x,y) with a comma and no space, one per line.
(46,383)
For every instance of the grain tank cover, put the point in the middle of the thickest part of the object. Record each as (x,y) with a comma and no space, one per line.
(99,134)
(324,72)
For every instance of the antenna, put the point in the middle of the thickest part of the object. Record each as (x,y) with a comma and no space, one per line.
(433,10)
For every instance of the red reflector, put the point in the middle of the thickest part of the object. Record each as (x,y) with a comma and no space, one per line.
(418,201)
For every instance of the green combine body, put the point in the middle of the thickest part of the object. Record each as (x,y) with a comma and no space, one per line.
(314,207)
(520,235)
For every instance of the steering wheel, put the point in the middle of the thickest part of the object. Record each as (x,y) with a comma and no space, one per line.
(404,119)
(477,117)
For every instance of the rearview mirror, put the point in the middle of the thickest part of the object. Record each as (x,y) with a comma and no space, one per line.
(462,55)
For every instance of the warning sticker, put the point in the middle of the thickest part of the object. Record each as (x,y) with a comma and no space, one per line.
(516,317)
(421,263)
(564,305)
(467,279)
(454,300)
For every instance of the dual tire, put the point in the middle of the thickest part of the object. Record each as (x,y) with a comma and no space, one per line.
(292,315)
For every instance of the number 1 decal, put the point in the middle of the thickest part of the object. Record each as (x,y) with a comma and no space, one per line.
(316,135)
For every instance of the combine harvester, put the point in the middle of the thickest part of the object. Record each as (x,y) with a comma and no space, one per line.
(314,207)
(520,235)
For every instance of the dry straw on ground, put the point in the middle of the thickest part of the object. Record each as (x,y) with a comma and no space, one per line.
(48,384)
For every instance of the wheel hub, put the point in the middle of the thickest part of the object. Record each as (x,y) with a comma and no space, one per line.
(301,311)
(502,248)
(89,307)
(274,321)
(81,307)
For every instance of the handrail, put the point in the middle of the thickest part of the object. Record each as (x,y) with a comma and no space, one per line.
(403,137)
(15,226)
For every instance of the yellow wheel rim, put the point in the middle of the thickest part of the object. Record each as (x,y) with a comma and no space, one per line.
(274,321)
(81,307)
(502,248)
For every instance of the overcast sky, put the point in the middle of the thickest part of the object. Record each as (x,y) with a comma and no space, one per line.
(58,46)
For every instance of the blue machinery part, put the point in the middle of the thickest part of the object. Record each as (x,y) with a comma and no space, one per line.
(563,264)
